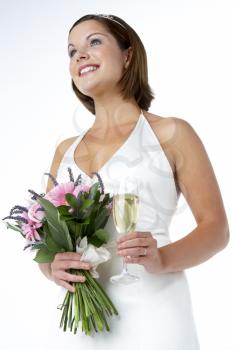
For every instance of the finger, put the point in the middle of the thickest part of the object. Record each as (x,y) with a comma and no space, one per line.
(143,242)
(72,264)
(132,252)
(67,286)
(135,260)
(133,235)
(69,277)
(67,256)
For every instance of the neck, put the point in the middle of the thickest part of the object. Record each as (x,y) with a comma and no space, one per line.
(115,112)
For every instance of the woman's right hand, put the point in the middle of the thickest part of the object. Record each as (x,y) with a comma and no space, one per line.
(63,262)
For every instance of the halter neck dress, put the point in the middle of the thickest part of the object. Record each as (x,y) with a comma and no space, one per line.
(155,313)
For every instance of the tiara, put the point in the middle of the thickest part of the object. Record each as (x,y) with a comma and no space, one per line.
(109,17)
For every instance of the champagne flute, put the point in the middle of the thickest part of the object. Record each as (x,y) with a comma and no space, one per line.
(125,213)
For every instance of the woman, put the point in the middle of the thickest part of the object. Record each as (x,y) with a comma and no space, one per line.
(108,66)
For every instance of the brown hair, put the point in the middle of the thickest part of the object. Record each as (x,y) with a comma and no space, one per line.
(134,80)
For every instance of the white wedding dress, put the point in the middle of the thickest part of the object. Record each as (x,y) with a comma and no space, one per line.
(155,313)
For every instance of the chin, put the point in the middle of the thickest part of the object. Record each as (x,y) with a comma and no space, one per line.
(93,91)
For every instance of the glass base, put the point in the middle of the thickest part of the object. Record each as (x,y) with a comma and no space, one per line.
(124,278)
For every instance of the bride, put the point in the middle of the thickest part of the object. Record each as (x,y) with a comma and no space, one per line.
(108,67)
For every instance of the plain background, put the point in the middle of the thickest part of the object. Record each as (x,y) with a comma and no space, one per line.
(189,48)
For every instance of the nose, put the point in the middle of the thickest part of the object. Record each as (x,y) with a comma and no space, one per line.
(81,55)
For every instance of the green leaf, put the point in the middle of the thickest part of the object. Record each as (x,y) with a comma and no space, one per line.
(12,227)
(100,237)
(93,190)
(101,218)
(106,199)
(75,228)
(72,200)
(37,245)
(44,256)
(52,246)
(95,195)
(46,228)
(64,227)
(80,198)
(64,210)
(86,204)
(57,227)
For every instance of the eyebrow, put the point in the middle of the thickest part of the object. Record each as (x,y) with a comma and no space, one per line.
(88,38)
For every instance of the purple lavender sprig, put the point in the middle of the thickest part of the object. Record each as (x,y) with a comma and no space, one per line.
(71,174)
(71,177)
(17,218)
(100,181)
(35,195)
(18,209)
(52,178)
(78,181)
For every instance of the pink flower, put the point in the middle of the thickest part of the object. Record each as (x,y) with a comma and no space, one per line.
(57,194)
(82,187)
(30,231)
(34,214)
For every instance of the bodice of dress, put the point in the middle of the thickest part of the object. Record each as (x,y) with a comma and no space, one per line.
(155,312)
(140,156)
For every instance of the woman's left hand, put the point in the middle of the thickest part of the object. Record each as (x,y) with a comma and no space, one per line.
(140,248)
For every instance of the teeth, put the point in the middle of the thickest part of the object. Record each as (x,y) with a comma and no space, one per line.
(88,69)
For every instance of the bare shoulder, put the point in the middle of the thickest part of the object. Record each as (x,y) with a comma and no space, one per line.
(163,126)
(174,134)
(184,139)
(180,143)
(63,146)
(194,172)
(57,158)
(165,130)
(168,129)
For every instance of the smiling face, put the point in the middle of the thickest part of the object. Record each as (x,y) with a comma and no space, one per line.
(96,60)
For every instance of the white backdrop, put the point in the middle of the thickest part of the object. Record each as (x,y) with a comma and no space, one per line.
(189,47)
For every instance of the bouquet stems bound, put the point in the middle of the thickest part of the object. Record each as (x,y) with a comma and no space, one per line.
(89,304)
(71,218)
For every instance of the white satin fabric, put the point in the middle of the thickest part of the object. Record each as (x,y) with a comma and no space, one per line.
(155,313)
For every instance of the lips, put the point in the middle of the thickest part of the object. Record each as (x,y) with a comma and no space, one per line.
(85,66)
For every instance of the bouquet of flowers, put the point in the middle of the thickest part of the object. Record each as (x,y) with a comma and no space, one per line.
(71,217)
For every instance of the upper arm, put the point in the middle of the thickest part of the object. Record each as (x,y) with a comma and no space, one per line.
(195,175)
(57,158)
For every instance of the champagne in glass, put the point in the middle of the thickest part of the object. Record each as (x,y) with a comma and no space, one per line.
(125,210)
(125,213)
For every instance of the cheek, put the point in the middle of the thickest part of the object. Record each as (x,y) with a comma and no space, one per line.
(72,69)
(117,71)
(118,63)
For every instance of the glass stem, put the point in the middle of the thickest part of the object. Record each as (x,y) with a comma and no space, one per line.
(125,269)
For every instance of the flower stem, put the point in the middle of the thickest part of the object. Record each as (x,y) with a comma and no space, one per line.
(89,304)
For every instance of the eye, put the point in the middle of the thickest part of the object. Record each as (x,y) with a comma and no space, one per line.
(94,41)
(71,53)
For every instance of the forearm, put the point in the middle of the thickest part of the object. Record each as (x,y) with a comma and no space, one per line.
(202,243)
(46,270)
